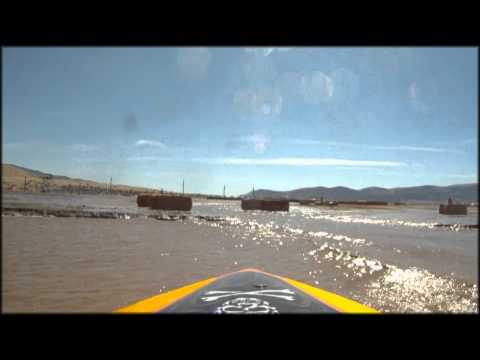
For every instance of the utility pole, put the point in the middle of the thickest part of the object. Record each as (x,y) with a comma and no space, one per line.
(253,191)
(183,187)
(224,193)
(110,188)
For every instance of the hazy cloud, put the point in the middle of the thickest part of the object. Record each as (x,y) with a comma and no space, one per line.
(141,158)
(302,162)
(263,101)
(416,96)
(413,148)
(151,143)
(259,142)
(413,91)
(456,143)
(473,176)
(316,87)
(416,174)
(266,51)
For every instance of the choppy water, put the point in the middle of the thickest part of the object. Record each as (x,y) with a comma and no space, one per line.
(394,260)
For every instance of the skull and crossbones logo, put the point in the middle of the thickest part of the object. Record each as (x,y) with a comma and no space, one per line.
(244,305)
(284,294)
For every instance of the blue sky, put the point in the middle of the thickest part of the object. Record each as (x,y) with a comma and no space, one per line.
(278,118)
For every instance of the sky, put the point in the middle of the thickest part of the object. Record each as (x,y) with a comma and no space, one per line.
(273,117)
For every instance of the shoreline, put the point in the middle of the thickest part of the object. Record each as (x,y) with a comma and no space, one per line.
(163,215)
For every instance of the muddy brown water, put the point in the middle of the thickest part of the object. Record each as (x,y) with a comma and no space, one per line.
(392,260)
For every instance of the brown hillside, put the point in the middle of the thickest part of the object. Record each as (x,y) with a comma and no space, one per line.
(13,179)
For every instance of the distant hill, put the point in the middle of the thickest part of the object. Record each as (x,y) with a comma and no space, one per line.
(10,170)
(426,193)
(13,179)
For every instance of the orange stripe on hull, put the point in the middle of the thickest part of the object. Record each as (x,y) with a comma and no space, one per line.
(159,302)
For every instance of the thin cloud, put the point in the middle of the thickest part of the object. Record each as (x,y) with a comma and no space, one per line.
(456,143)
(373,147)
(461,175)
(472,177)
(151,143)
(414,148)
(141,158)
(302,162)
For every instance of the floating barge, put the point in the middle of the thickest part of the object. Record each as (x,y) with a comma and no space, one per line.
(267,205)
(452,209)
(145,200)
(165,202)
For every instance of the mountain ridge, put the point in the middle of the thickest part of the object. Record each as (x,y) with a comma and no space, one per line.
(430,193)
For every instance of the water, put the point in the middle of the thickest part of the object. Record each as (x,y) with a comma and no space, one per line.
(394,260)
